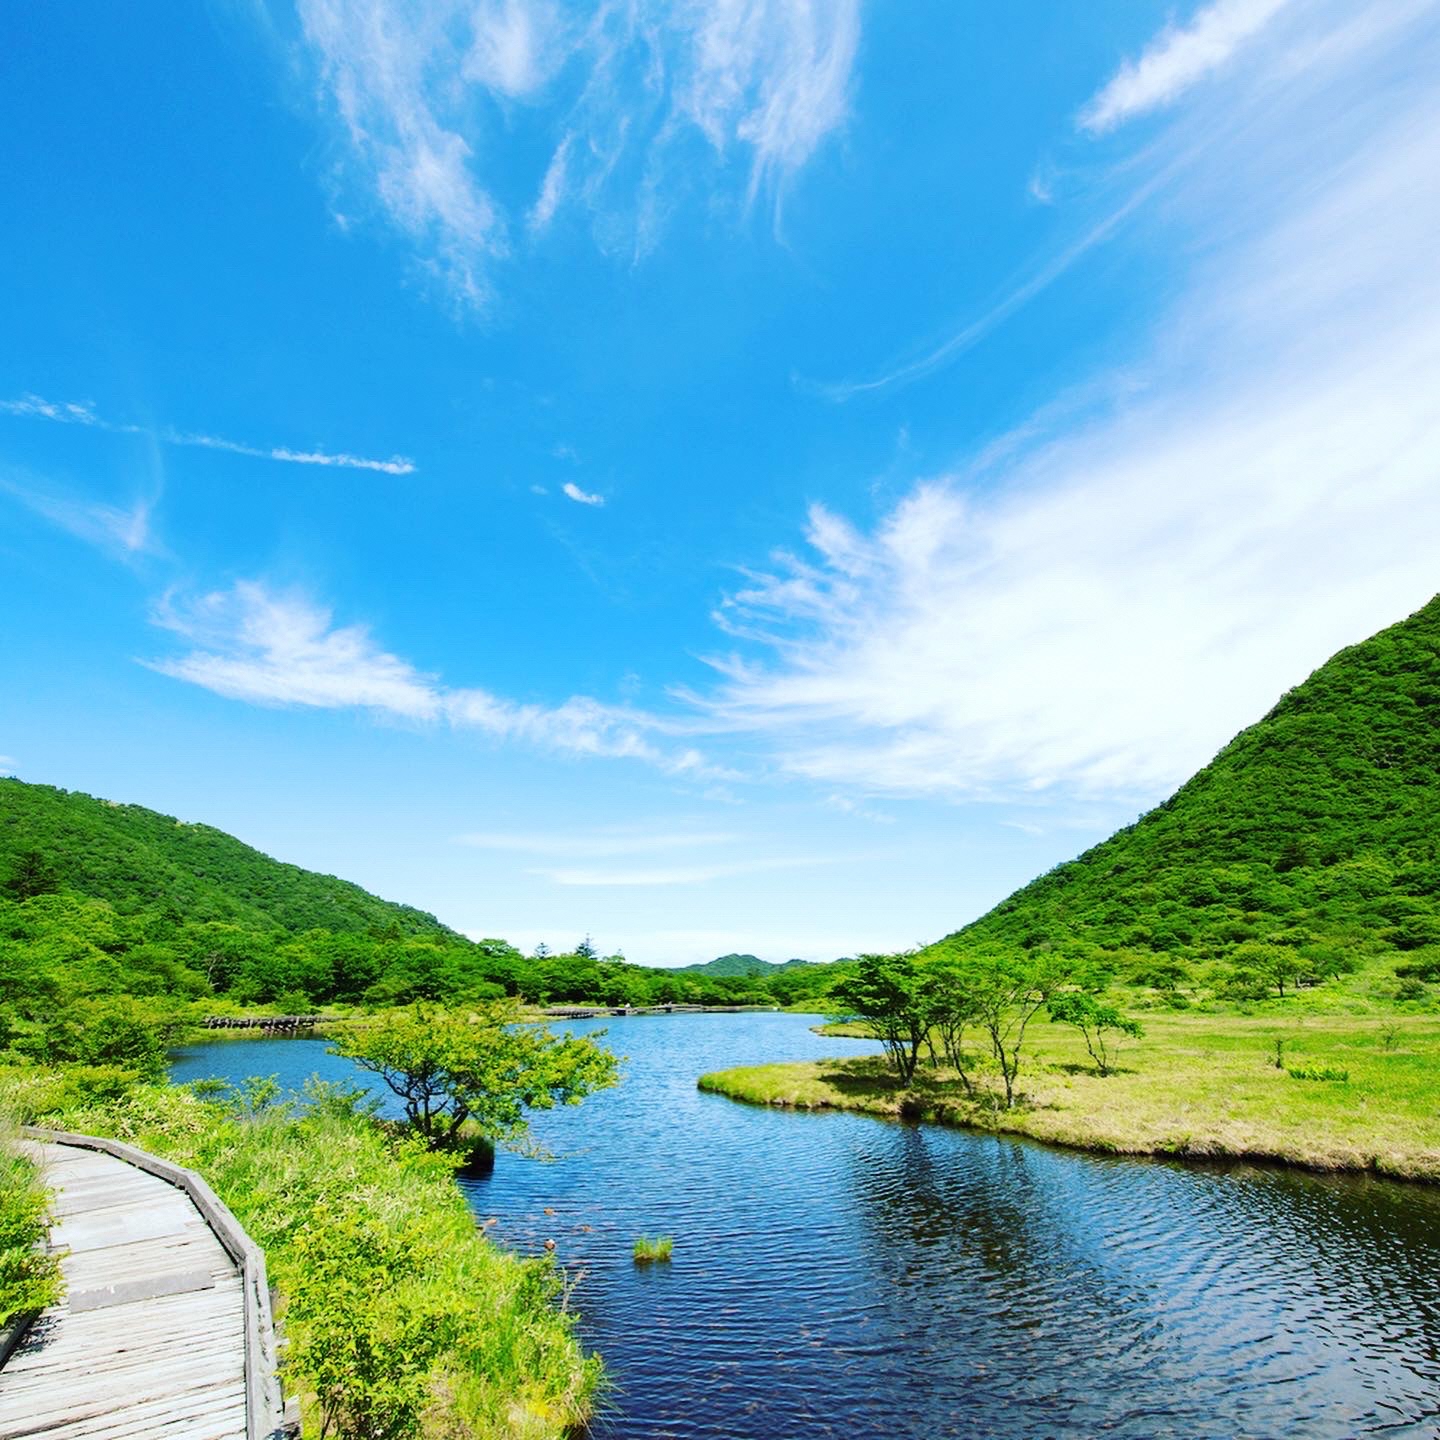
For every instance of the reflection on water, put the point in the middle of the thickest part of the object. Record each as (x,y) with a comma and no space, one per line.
(835,1275)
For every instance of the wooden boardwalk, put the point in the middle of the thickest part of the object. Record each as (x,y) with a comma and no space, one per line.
(162,1332)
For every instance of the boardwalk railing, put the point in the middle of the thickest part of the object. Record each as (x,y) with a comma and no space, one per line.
(264,1405)
(286,1024)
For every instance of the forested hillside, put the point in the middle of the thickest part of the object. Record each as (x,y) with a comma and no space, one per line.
(1311,844)
(116,920)
(139,859)
(747,965)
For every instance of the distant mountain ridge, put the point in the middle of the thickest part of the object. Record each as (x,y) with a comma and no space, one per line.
(1318,827)
(740,965)
(137,858)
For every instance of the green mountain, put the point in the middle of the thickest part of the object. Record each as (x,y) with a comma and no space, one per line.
(138,859)
(744,966)
(1314,833)
(101,901)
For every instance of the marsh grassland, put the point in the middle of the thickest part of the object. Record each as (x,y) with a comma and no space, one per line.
(1193,1085)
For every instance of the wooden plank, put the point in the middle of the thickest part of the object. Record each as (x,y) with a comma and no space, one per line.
(143,1287)
(166,1328)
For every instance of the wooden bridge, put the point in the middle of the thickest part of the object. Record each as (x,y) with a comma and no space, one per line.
(165,1330)
(271,1024)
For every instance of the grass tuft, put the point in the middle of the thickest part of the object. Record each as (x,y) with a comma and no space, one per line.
(652,1248)
(29,1274)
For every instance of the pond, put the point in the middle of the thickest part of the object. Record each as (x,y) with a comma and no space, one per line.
(837,1275)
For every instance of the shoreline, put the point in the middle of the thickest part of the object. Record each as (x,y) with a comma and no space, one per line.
(976,1124)
(1189,1091)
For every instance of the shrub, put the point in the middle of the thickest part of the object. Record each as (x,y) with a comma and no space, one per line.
(1317,1072)
(29,1277)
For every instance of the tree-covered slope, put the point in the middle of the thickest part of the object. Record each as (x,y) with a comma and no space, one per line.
(738,965)
(138,859)
(1317,829)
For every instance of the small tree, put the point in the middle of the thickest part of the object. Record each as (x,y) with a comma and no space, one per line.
(952,1007)
(466,1075)
(888,993)
(1099,1023)
(1008,990)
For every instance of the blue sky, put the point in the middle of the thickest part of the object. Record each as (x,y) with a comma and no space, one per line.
(751,475)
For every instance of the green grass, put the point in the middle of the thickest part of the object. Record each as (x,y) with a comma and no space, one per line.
(29,1276)
(652,1248)
(1194,1085)
(400,1318)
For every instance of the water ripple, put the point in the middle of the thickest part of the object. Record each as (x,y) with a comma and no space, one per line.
(835,1275)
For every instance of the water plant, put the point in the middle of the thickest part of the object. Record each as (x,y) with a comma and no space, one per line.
(652,1248)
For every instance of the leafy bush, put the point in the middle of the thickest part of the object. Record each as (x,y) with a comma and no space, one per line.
(29,1276)
(1317,1072)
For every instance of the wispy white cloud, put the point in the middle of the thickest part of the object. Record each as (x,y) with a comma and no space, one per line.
(552,188)
(123,530)
(66,412)
(408,85)
(775,76)
(253,644)
(1100,604)
(581,497)
(387,70)
(395,465)
(848,805)
(274,649)
(515,45)
(1179,57)
(1325,69)
(71,413)
(7,765)
(970,334)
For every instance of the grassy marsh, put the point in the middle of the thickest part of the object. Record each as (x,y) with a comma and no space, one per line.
(1204,1085)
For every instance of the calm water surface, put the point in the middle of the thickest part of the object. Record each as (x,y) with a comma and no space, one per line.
(836,1275)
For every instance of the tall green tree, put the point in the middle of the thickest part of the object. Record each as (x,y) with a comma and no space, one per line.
(31,874)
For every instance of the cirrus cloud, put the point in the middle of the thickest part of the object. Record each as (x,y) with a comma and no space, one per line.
(1179,57)
(1099,601)
(421,92)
